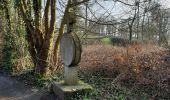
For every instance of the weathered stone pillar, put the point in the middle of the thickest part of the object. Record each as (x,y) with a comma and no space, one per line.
(70,50)
(70,75)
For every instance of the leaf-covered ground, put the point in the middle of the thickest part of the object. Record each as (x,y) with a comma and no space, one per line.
(118,73)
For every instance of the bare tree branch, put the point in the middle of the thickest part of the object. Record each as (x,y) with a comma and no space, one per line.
(78,3)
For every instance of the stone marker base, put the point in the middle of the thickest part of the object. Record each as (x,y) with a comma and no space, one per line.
(70,75)
(68,92)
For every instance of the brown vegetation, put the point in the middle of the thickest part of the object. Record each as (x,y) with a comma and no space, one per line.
(139,65)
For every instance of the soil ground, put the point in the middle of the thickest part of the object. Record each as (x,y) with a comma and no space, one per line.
(10,89)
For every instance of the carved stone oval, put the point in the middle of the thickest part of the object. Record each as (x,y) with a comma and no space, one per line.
(70,49)
(78,49)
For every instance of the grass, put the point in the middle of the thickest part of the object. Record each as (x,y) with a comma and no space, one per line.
(96,39)
(106,41)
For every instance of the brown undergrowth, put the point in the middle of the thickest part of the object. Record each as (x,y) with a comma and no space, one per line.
(143,67)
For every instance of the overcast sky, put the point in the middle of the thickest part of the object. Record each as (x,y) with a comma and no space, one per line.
(165,3)
(118,9)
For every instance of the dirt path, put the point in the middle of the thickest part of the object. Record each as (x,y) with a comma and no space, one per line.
(11,89)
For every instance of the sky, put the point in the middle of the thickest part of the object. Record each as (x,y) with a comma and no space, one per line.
(165,3)
(117,10)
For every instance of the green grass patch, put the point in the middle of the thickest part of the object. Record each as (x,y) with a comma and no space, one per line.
(106,41)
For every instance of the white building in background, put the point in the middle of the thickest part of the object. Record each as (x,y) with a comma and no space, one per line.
(107,25)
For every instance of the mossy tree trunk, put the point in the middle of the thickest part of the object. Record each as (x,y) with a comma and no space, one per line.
(39,30)
(8,39)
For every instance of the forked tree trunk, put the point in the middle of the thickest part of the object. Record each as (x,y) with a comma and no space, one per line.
(39,34)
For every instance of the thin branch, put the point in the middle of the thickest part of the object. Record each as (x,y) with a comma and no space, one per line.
(124,3)
(46,23)
(78,3)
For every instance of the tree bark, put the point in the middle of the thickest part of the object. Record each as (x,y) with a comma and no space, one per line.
(143,20)
(39,40)
(131,26)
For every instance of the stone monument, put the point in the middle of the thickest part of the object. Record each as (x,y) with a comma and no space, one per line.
(70,53)
(70,50)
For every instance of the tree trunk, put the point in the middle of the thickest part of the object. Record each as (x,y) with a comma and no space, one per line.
(160,29)
(143,20)
(138,19)
(131,26)
(39,40)
(130,32)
